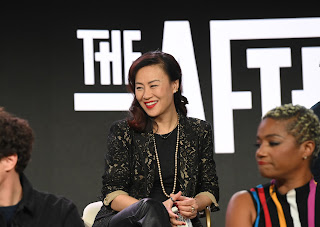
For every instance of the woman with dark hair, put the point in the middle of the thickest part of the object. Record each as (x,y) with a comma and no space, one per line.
(288,140)
(158,158)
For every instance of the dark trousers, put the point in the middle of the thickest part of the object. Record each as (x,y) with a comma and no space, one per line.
(146,213)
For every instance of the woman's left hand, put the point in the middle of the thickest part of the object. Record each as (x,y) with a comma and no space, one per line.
(188,207)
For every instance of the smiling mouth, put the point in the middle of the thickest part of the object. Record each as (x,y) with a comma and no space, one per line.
(151,104)
(262,163)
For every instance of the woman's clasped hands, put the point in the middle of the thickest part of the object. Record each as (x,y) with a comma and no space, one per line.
(187,207)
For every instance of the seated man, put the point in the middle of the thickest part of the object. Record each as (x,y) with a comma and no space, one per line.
(20,204)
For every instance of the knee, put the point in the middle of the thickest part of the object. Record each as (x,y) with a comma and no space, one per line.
(148,202)
(153,213)
(152,204)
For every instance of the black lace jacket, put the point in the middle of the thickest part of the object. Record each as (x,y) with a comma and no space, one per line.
(130,163)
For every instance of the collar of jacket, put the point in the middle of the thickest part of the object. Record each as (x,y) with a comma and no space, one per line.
(27,202)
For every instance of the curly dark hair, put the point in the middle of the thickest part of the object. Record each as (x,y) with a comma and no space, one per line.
(138,118)
(16,137)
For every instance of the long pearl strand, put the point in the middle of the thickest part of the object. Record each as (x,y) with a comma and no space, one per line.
(175,163)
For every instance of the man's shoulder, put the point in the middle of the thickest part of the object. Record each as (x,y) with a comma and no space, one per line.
(51,199)
(47,209)
(57,209)
(32,195)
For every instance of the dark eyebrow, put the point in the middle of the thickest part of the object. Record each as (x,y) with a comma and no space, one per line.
(271,135)
(153,81)
(149,82)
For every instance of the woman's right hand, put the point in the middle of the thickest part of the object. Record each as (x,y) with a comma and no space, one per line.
(168,204)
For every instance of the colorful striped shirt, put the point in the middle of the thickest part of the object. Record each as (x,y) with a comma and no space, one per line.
(300,207)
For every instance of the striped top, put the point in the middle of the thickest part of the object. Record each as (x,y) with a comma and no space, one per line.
(297,208)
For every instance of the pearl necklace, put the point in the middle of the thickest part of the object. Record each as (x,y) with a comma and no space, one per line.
(175,163)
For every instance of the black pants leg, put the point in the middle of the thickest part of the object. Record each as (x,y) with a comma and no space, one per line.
(145,213)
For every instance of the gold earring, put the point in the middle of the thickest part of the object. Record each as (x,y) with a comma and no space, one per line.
(305,157)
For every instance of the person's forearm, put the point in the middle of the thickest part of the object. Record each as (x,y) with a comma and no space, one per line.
(203,201)
(122,201)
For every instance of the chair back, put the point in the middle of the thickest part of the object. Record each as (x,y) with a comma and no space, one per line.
(90,212)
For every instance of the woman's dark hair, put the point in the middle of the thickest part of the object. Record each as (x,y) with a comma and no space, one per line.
(16,137)
(138,119)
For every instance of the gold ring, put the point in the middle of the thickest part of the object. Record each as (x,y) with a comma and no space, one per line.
(192,209)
